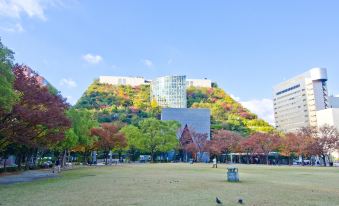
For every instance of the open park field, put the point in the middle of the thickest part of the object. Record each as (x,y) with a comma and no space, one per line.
(179,184)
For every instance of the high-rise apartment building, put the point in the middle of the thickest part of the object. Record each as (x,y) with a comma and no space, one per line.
(169,91)
(297,100)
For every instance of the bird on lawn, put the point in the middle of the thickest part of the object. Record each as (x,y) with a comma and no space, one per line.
(218,201)
(240,201)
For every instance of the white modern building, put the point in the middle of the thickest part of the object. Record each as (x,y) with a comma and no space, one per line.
(297,100)
(121,80)
(199,83)
(169,91)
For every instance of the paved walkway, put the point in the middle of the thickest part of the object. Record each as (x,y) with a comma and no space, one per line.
(27,176)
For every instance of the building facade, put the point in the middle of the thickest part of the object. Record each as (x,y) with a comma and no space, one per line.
(169,91)
(329,117)
(199,83)
(198,119)
(120,80)
(334,101)
(297,100)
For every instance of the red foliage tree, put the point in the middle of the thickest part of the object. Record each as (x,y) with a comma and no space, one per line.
(248,146)
(109,137)
(224,141)
(264,143)
(193,142)
(327,141)
(38,120)
(291,144)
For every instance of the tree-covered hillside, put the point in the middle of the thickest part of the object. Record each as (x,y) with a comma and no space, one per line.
(132,104)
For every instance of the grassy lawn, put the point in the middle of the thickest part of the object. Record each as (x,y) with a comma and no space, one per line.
(179,184)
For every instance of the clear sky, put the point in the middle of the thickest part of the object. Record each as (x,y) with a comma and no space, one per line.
(245,46)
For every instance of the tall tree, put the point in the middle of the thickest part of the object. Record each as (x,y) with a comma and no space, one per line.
(265,143)
(200,140)
(290,145)
(326,141)
(83,121)
(8,96)
(109,137)
(38,120)
(158,136)
(133,136)
(186,142)
(226,141)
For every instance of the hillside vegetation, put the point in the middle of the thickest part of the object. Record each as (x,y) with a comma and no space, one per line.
(131,104)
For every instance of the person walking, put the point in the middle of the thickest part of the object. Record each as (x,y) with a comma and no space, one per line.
(215,165)
(57,166)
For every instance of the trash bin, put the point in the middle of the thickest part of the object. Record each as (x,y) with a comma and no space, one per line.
(232,174)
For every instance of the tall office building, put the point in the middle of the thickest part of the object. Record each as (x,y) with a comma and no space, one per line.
(297,100)
(169,91)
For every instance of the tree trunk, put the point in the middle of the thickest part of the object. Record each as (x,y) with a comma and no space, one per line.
(18,161)
(324,159)
(267,159)
(63,160)
(5,161)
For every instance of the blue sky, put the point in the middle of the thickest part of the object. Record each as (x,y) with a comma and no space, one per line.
(245,46)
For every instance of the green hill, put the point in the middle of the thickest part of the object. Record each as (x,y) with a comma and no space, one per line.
(131,104)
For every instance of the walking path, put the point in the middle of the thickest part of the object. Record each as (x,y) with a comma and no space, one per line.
(27,176)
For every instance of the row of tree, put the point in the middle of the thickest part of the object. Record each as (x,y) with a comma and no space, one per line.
(307,142)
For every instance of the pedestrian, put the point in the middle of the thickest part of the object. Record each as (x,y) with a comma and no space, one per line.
(215,163)
(57,166)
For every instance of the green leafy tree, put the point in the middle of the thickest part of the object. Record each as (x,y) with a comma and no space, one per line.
(83,121)
(134,136)
(8,96)
(158,136)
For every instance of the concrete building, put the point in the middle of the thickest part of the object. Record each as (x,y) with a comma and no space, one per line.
(198,119)
(120,80)
(297,100)
(199,83)
(169,91)
(329,117)
(333,101)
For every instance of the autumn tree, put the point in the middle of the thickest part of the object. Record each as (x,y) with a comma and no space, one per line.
(186,142)
(109,137)
(326,141)
(199,145)
(224,141)
(248,146)
(37,121)
(291,144)
(265,143)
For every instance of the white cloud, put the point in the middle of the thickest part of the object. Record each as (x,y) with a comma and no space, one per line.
(68,83)
(17,28)
(71,100)
(93,59)
(148,63)
(31,8)
(235,97)
(262,107)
